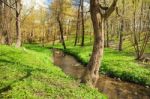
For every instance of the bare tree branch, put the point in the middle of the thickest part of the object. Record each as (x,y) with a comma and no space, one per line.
(10,6)
(110,9)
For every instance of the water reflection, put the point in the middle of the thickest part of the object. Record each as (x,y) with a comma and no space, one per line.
(114,89)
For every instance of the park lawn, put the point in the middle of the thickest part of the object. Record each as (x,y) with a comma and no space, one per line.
(115,64)
(28,73)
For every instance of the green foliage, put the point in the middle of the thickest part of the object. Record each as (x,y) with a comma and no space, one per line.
(115,64)
(28,73)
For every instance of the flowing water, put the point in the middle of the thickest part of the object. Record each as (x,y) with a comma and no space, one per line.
(113,88)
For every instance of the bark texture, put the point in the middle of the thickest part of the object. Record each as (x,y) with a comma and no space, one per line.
(18,19)
(98,18)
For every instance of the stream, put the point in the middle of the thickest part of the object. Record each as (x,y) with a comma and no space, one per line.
(113,88)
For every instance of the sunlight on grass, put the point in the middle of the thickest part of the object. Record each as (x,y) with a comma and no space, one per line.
(29,73)
(115,64)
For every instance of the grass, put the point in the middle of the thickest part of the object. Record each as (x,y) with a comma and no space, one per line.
(28,73)
(115,64)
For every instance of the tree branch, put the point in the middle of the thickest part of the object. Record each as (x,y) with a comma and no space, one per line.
(110,9)
(28,13)
(103,8)
(10,6)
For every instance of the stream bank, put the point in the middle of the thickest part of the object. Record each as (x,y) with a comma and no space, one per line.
(114,89)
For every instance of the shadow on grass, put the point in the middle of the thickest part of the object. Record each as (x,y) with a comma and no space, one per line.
(27,68)
(8,87)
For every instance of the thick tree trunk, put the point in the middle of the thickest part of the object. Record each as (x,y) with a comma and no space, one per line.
(18,18)
(5,25)
(18,31)
(91,74)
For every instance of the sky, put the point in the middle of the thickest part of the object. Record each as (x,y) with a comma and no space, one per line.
(48,1)
(36,3)
(42,3)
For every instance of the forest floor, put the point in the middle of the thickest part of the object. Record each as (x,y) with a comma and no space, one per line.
(120,65)
(28,73)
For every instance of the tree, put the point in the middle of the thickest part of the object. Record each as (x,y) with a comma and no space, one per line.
(60,21)
(107,34)
(121,27)
(141,37)
(62,11)
(18,20)
(82,18)
(91,74)
(77,24)
(6,20)
(106,44)
(1,13)
(17,9)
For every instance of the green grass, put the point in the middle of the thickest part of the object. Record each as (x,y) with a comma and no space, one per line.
(115,64)
(28,73)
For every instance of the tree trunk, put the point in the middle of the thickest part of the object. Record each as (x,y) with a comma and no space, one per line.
(61,32)
(4,23)
(68,29)
(82,16)
(121,36)
(77,25)
(18,31)
(107,34)
(18,18)
(54,39)
(121,28)
(54,36)
(91,74)
(2,38)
